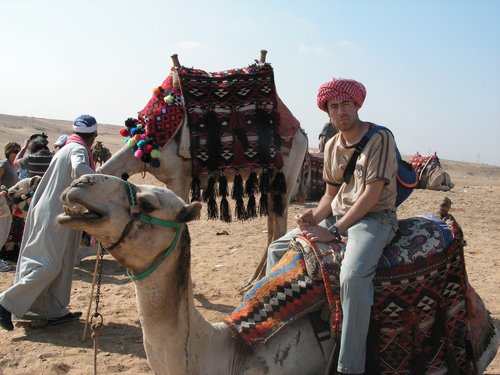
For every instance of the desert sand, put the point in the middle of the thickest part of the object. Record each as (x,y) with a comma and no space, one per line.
(220,265)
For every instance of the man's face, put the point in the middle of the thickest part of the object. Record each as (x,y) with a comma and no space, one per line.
(343,115)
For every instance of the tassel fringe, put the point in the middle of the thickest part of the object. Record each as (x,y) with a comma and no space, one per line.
(225,213)
(195,190)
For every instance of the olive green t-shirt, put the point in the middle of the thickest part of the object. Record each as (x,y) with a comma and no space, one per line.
(377,161)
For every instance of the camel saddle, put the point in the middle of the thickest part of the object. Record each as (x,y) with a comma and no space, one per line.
(426,318)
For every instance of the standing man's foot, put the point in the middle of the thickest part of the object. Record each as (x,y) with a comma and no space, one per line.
(6,319)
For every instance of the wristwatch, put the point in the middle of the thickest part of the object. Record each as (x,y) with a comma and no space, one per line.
(335,231)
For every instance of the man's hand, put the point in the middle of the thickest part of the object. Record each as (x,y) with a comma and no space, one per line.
(317,233)
(306,219)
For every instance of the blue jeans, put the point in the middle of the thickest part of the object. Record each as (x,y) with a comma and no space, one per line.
(366,241)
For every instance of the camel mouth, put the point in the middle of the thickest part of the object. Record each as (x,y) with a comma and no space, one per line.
(78,212)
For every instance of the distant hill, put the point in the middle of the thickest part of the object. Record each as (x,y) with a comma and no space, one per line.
(19,128)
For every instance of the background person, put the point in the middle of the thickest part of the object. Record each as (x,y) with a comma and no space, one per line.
(39,156)
(42,286)
(8,178)
(60,142)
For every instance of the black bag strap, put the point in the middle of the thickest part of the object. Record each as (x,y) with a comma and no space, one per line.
(358,150)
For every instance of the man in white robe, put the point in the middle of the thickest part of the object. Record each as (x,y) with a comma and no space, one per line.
(44,275)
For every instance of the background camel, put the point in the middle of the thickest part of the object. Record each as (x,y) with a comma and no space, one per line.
(100,153)
(182,341)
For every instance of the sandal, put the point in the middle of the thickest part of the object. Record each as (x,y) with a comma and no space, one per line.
(66,318)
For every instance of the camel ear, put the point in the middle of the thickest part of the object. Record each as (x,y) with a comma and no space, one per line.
(189,212)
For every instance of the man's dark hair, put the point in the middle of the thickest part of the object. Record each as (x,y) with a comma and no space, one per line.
(37,144)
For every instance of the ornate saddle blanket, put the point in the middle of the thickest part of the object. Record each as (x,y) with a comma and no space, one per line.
(317,182)
(422,317)
(234,122)
(424,164)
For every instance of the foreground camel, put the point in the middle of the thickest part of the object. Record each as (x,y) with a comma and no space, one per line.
(177,339)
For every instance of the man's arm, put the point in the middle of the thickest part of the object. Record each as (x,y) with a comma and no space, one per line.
(322,210)
(366,201)
(20,154)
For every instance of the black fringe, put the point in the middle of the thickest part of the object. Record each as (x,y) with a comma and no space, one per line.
(279,183)
(251,184)
(251,207)
(195,189)
(263,209)
(209,192)
(264,181)
(212,210)
(278,207)
(240,209)
(222,184)
(237,191)
(225,213)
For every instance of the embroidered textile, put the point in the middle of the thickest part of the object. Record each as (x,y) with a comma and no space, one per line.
(281,297)
(426,318)
(232,118)
(318,185)
(234,124)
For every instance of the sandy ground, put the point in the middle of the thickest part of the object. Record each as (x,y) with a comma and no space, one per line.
(220,264)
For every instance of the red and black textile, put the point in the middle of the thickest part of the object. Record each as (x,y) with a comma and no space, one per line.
(424,164)
(234,124)
(163,113)
(318,185)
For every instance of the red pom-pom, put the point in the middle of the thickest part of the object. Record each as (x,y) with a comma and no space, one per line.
(148,148)
(124,132)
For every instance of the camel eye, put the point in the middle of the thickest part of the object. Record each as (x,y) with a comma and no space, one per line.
(146,206)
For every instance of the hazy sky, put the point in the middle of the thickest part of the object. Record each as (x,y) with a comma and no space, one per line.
(431,67)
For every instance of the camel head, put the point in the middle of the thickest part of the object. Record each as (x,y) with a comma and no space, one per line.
(26,187)
(135,223)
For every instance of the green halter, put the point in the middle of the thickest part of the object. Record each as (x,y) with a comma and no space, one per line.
(131,190)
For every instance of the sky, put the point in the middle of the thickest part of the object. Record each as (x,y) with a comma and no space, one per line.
(431,67)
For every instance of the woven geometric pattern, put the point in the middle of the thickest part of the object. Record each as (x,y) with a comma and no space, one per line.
(281,297)
(162,119)
(420,320)
(232,118)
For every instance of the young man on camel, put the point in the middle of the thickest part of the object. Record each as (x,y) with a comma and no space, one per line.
(42,286)
(363,210)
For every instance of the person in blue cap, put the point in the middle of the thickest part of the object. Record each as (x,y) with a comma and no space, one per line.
(42,285)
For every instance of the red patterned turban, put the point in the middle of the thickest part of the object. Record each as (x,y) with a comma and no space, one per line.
(341,90)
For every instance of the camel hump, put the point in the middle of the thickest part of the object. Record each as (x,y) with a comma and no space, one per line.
(444,207)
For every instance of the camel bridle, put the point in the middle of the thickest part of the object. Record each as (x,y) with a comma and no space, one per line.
(147,219)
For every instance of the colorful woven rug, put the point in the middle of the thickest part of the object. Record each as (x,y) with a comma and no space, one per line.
(279,298)
(425,319)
